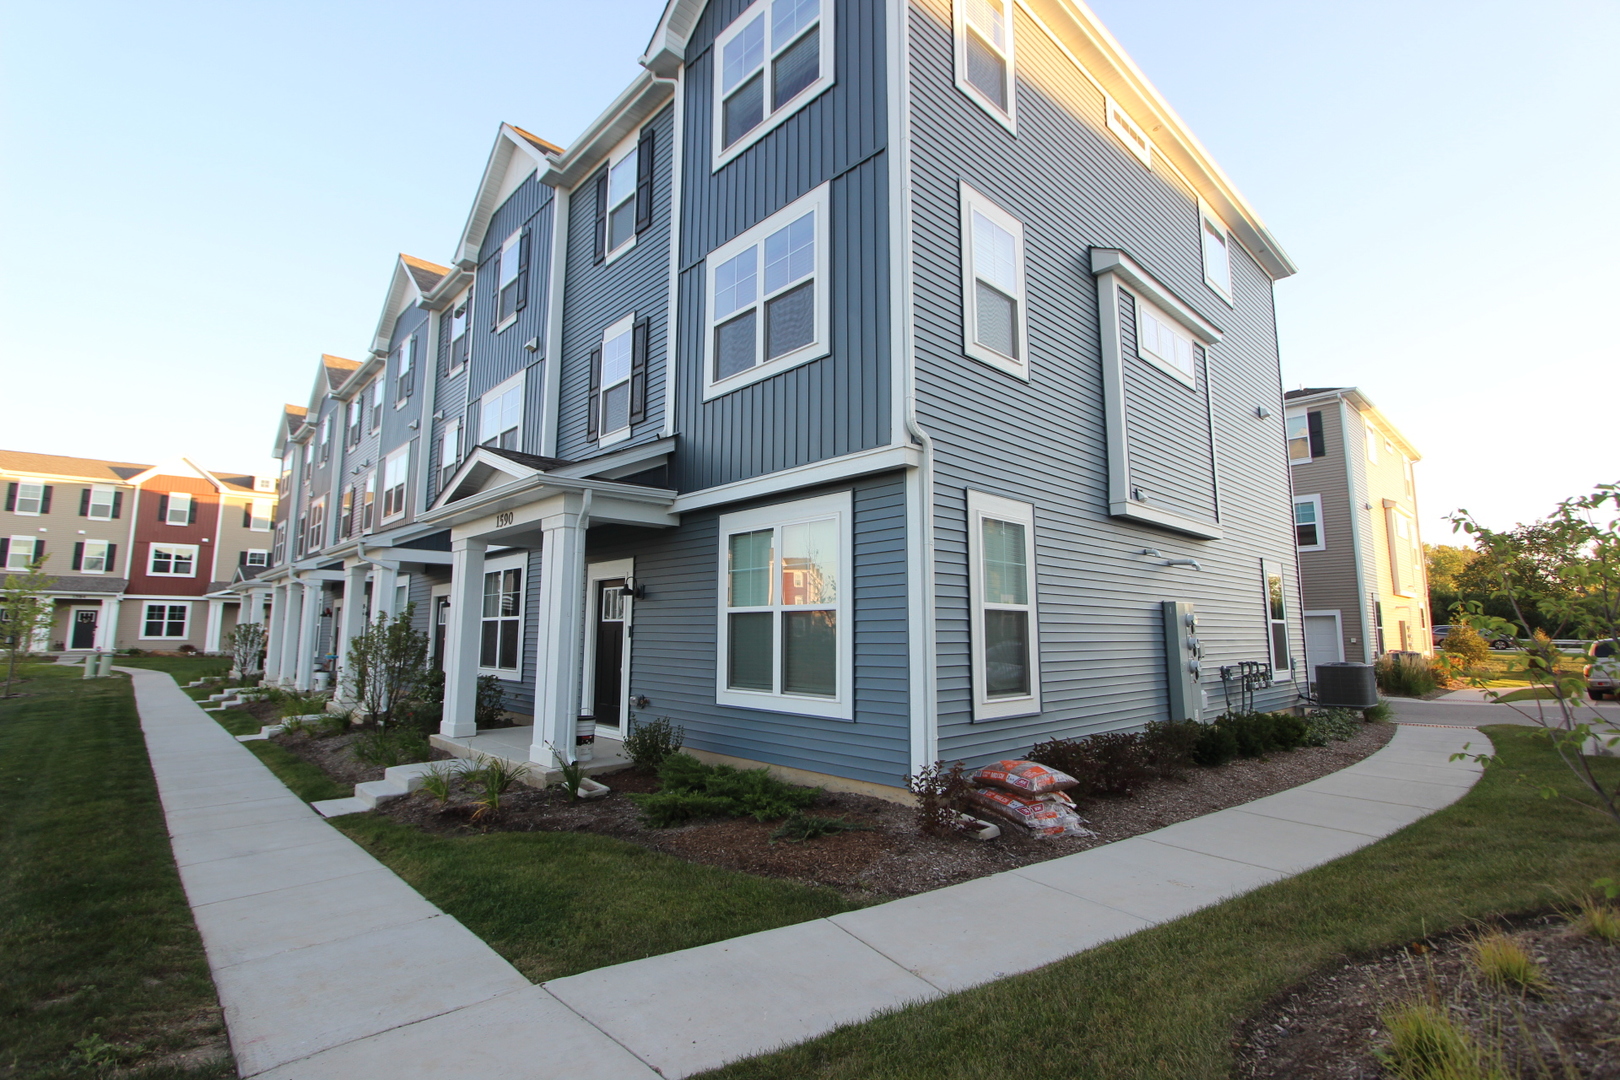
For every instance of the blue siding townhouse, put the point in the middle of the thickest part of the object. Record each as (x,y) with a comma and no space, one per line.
(874,382)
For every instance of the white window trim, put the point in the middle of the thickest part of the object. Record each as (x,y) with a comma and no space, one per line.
(1321,533)
(1008,119)
(112,497)
(404,453)
(979,507)
(1267,568)
(1399,585)
(1128,131)
(42,485)
(513,243)
(840,706)
(1208,219)
(168,511)
(629,146)
(269,516)
(495,392)
(626,325)
(84,554)
(1372,444)
(258,551)
(145,607)
(828,67)
(449,440)
(1168,367)
(466,329)
(151,558)
(11,552)
(407,364)
(974,200)
(516,561)
(816,199)
(1299,415)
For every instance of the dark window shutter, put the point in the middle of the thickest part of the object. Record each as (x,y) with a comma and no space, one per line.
(523,270)
(241,558)
(640,335)
(39,550)
(163,508)
(45,503)
(78,555)
(11,496)
(1313,422)
(644,180)
(84,503)
(5,546)
(191,516)
(118,504)
(592,414)
(247,515)
(601,216)
(112,558)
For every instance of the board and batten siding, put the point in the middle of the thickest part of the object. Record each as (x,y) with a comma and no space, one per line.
(495,357)
(1074,186)
(597,296)
(673,651)
(838,404)
(449,400)
(1328,578)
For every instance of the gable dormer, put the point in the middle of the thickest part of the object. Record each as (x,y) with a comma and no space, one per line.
(516,156)
(413,281)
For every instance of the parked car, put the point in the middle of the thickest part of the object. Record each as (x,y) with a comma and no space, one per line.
(1603,673)
(1501,641)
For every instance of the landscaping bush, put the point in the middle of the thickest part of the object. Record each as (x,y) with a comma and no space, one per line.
(1407,674)
(1464,643)
(1326,725)
(1216,746)
(941,795)
(1113,763)
(689,789)
(1170,745)
(489,708)
(649,742)
(1258,734)
(398,745)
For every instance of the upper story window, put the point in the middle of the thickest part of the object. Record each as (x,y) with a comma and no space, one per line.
(256,515)
(20,552)
(1161,341)
(616,202)
(984,56)
(255,557)
(101,503)
(278,550)
(773,59)
(1373,439)
(1276,601)
(356,409)
(94,556)
(325,445)
(346,512)
(1217,251)
(501,421)
(460,322)
(768,297)
(315,538)
(405,369)
(1001,554)
(1308,534)
(1305,437)
(619,381)
(994,328)
(368,502)
(395,473)
(376,391)
(288,461)
(784,620)
(1405,553)
(512,279)
(31,497)
(173,560)
(177,508)
(449,450)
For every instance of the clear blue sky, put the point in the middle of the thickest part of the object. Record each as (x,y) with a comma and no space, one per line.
(199,199)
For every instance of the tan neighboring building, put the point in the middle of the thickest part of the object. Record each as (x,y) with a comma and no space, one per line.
(141,556)
(1361,568)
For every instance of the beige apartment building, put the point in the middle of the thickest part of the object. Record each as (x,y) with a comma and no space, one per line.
(140,556)
(1361,566)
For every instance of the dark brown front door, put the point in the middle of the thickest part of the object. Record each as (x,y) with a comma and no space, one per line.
(84,629)
(609,701)
(441,615)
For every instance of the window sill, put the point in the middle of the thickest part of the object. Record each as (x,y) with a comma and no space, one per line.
(1189,381)
(620,250)
(156,573)
(724,157)
(760,372)
(825,708)
(614,438)
(1313,547)
(1008,120)
(504,674)
(1226,296)
(1166,519)
(506,323)
(1006,708)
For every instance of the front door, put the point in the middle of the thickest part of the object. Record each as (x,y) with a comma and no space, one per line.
(441,619)
(84,628)
(608,671)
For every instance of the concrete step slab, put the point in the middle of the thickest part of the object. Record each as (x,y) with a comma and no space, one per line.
(376,792)
(1285,846)
(331,808)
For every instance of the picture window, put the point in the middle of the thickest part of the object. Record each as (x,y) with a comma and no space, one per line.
(773,58)
(1308,535)
(173,560)
(501,619)
(165,621)
(502,415)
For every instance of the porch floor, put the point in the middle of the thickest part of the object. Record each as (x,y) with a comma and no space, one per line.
(512,745)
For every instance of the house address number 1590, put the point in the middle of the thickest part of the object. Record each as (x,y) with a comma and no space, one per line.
(503,519)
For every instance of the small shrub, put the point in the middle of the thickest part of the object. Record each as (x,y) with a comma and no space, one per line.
(390,746)
(1169,745)
(1506,965)
(1113,763)
(664,809)
(299,726)
(1464,643)
(332,724)
(1216,746)
(1379,713)
(1407,674)
(573,774)
(1258,734)
(489,707)
(800,827)
(1426,1044)
(941,793)
(690,789)
(1327,725)
(294,704)
(649,742)
(491,779)
(1599,920)
(439,781)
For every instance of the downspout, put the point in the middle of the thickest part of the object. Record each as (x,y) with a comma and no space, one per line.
(676,165)
(551,418)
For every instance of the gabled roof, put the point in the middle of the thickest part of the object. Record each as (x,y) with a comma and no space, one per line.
(488,467)
(425,274)
(1362,404)
(405,288)
(644,96)
(180,466)
(68,468)
(292,418)
(509,140)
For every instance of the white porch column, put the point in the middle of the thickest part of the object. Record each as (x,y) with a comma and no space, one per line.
(272,633)
(290,624)
(308,631)
(353,622)
(558,634)
(384,579)
(461,638)
(107,629)
(216,626)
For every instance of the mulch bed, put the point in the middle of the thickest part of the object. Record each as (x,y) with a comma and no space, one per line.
(334,755)
(1330,1027)
(892,858)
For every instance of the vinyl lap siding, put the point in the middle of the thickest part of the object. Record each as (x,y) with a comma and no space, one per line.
(1167,428)
(1328,578)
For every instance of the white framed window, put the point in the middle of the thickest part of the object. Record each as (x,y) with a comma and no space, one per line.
(449,450)
(256,557)
(772,60)
(618,352)
(767,303)
(95,557)
(1162,342)
(1217,250)
(1129,132)
(355,412)
(177,511)
(315,538)
(258,515)
(21,551)
(325,446)
(278,550)
(623,168)
(500,647)
(501,417)
(102,504)
(1298,426)
(460,322)
(165,621)
(30,497)
(1373,439)
(173,560)
(1411,480)
(1308,534)
(404,370)
(785,634)
(1002,584)
(1276,605)
(1405,554)
(376,391)
(509,279)
(994,329)
(984,57)
(368,503)
(395,473)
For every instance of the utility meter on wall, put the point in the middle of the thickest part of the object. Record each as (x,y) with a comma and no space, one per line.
(1183,660)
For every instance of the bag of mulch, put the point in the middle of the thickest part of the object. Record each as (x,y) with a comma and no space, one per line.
(1023,778)
(1042,817)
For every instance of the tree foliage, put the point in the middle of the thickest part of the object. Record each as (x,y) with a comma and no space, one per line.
(246,646)
(1445,562)
(386,667)
(26,612)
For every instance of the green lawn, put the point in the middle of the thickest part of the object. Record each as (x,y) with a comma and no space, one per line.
(103,964)
(1506,670)
(184,668)
(1163,1004)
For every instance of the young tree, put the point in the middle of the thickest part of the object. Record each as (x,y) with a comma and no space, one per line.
(1445,562)
(25,613)
(246,646)
(386,666)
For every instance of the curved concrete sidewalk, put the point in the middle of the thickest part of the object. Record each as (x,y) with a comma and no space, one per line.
(328,965)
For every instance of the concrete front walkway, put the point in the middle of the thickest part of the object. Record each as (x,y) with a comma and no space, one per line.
(1471,708)
(329,966)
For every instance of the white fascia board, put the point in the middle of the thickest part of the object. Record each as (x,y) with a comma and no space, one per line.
(643,97)
(667,49)
(1113,261)
(865,463)
(402,292)
(507,142)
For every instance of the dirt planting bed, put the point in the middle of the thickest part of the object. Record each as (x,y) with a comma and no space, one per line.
(885,858)
(334,755)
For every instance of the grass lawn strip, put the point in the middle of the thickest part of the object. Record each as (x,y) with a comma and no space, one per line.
(1163,1004)
(104,967)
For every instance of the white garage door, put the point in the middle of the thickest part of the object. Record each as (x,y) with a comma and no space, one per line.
(1323,644)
